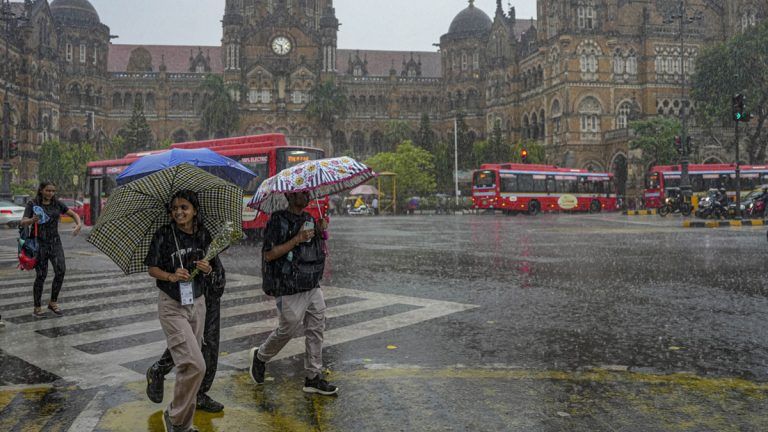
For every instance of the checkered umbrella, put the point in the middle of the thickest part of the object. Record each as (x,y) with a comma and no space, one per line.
(318,177)
(136,210)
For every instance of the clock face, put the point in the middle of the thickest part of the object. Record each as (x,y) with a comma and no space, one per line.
(281,45)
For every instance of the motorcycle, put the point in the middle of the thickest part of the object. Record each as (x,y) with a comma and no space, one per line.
(675,203)
(363,210)
(712,206)
(753,206)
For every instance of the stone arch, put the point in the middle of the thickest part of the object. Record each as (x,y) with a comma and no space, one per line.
(200,135)
(592,165)
(128,100)
(339,142)
(620,170)
(377,141)
(713,160)
(357,141)
(117,101)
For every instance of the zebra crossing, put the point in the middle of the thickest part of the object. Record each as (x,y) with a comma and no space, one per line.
(110,332)
(8,256)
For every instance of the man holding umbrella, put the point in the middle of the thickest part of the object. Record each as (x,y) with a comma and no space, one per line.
(292,265)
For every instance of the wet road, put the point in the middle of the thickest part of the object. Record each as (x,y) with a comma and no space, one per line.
(475,322)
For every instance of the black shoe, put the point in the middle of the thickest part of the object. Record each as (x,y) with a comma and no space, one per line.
(205,403)
(320,386)
(169,427)
(258,367)
(155,381)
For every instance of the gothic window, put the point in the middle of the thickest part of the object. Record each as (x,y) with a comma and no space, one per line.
(186,102)
(476,61)
(200,68)
(150,102)
(748,19)
(585,15)
(631,65)
(175,101)
(622,115)
(526,127)
(589,112)
(82,53)
(556,116)
(464,61)
(618,62)
(69,52)
(299,97)
(357,70)
(554,59)
(95,54)
(542,124)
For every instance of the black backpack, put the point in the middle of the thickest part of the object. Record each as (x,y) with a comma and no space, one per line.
(295,272)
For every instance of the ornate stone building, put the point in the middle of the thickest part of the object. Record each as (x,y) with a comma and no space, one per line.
(572,79)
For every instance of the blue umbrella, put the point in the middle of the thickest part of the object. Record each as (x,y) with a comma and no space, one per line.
(206,159)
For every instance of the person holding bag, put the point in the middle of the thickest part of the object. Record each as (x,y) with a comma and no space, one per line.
(45,211)
(175,251)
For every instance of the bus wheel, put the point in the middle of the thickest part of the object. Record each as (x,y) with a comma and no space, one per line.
(534,208)
(594,207)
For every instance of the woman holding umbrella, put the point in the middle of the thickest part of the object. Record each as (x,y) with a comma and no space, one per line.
(176,249)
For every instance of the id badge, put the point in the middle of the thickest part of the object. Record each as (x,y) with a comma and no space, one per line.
(187,293)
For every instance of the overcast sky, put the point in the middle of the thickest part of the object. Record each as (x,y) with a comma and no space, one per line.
(366,24)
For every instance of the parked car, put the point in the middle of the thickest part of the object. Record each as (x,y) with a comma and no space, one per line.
(74,205)
(10,214)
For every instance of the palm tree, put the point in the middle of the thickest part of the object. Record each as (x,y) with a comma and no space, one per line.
(327,104)
(219,114)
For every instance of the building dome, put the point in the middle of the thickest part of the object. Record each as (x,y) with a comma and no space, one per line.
(470,20)
(75,11)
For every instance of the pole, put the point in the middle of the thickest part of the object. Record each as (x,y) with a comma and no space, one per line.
(456,159)
(738,175)
(685,182)
(5,187)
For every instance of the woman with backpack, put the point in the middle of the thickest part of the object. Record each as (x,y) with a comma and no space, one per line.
(45,211)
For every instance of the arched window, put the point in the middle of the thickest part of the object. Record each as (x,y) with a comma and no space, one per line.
(588,60)
(589,112)
(631,66)
(534,126)
(618,62)
(622,114)
(526,127)
(117,101)
(542,124)
(586,15)
(180,135)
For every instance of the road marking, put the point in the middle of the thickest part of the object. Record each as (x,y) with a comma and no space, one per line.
(94,355)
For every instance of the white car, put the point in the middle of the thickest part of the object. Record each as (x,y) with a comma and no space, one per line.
(10,214)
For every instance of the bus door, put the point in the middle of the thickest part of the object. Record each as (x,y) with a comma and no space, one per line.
(550,185)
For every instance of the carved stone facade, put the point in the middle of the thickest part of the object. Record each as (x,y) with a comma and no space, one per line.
(571,80)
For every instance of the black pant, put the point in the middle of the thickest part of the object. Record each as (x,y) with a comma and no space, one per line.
(211,334)
(53,252)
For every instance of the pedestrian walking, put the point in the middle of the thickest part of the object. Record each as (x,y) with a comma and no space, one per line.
(292,266)
(46,210)
(213,290)
(175,250)
(375,205)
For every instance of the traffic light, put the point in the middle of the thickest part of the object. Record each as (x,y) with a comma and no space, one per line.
(678,144)
(740,113)
(13,149)
(524,155)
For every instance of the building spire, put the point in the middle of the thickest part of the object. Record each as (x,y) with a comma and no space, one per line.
(499,10)
(471,3)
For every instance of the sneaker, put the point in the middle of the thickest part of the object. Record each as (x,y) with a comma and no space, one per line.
(258,367)
(320,386)
(205,403)
(38,312)
(169,427)
(54,307)
(155,381)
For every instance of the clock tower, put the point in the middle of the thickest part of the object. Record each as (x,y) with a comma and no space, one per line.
(274,52)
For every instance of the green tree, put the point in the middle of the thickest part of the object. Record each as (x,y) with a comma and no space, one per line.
(327,104)
(113,148)
(481,153)
(138,133)
(444,167)
(414,167)
(396,132)
(464,143)
(739,65)
(656,138)
(498,150)
(219,113)
(425,137)
(61,162)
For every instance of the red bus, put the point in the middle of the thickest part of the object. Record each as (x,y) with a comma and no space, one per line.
(515,188)
(662,178)
(265,155)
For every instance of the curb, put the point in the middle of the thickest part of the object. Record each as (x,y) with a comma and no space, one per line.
(639,212)
(723,224)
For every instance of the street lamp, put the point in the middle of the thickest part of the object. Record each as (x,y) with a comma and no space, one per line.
(7,17)
(680,13)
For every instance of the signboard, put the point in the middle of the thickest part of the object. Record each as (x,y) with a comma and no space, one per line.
(568,202)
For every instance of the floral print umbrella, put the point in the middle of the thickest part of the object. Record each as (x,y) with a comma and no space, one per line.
(318,177)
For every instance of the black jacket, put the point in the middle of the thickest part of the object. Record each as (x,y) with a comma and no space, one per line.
(302,268)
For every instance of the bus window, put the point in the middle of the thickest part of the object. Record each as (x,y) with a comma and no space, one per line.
(539,183)
(652,181)
(525,183)
(508,183)
(485,179)
(697,182)
(259,164)
(670,182)
(551,188)
(598,186)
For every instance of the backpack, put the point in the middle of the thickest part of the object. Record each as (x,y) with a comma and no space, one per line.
(298,271)
(27,248)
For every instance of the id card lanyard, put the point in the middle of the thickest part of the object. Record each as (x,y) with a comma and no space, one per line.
(186,289)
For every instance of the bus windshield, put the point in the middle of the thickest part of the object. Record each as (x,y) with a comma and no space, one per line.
(485,179)
(259,164)
(287,158)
